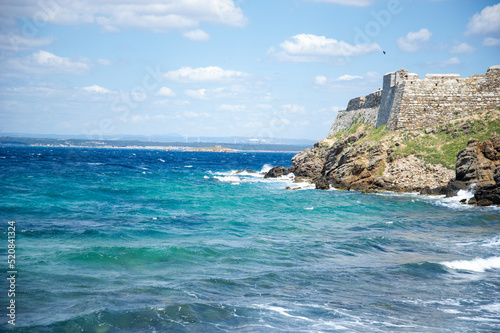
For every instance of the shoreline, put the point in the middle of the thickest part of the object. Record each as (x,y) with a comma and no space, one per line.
(165,148)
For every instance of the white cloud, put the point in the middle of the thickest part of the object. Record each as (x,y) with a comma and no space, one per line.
(320,80)
(203,74)
(232,108)
(488,21)
(14,42)
(461,48)
(197,93)
(490,41)
(308,48)
(46,62)
(191,114)
(112,15)
(97,89)
(104,62)
(139,118)
(413,41)
(348,77)
(197,35)
(288,109)
(166,92)
(358,3)
(446,63)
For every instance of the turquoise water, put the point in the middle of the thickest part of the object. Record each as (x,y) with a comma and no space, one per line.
(157,241)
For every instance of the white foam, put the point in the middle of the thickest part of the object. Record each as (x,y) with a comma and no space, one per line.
(188,166)
(266,168)
(474,265)
(494,307)
(228,179)
(493,242)
(245,173)
(282,311)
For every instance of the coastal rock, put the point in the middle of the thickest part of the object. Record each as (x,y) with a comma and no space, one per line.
(412,174)
(308,163)
(366,166)
(276,172)
(454,186)
(488,195)
(244,171)
(478,161)
(321,184)
(433,191)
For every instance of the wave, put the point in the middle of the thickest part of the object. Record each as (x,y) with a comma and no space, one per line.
(236,177)
(475,265)
(493,242)
(265,169)
(229,179)
(455,203)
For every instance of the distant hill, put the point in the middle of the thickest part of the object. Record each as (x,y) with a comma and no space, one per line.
(137,144)
(170,137)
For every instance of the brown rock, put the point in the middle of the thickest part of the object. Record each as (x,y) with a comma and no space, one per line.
(321,184)
(275,172)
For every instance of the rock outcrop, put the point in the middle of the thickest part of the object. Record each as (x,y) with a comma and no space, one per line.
(479,164)
(351,164)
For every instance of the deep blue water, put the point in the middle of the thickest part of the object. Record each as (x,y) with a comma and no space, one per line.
(158,241)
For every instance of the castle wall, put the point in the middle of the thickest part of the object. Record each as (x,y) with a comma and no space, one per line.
(407,102)
(444,97)
(364,109)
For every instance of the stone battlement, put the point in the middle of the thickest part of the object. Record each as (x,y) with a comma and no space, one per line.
(408,102)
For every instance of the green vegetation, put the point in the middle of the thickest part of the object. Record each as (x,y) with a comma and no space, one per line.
(438,145)
(442,147)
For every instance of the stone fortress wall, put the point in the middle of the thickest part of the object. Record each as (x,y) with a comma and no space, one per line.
(408,102)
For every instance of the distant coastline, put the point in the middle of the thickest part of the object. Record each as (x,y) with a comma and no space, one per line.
(133,144)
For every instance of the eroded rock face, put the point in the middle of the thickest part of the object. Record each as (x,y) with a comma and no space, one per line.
(487,195)
(275,172)
(308,163)
(365,167)
(370,166)
(486,167)
(478,163)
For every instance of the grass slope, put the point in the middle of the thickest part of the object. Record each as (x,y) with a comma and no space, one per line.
(436,145)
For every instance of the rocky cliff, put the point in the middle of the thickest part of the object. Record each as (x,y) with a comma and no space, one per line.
(369,159)
(478,165)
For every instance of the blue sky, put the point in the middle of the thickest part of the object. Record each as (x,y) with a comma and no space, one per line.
(252,68)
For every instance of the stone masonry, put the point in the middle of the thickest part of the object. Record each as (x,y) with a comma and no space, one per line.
(408,102)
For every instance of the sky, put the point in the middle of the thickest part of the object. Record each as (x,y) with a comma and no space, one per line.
(251,68)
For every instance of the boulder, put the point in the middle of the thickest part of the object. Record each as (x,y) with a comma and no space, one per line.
(477,163)
(321,184)
(488,195)
(440,190)
(454,186)
(308,163)
(276,172)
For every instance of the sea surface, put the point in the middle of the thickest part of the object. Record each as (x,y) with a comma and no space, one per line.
(120,240)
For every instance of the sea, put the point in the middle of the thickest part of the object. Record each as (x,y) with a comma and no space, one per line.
(123,240)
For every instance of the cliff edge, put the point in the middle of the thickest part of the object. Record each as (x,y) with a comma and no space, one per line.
(419,156)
